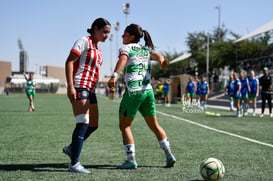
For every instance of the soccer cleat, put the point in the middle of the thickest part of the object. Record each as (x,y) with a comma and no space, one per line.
(78,168)
(239,115)
(33,109)
(262,115)
(67,151)
(271,115)
(127,165)
(254,114)
(29,109)
(170,160)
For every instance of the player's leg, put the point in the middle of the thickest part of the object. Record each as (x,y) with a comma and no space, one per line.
(162,138)
(246,105)
(29,96)
(81,113)
(148,111)
(127,112)
(269,100)
(237,104)
(128,142)
(32,101)
(202,101)
(93,116)
(252,98)
(205,100)
(168,99)
(231,103)
(165,99)
(263,104)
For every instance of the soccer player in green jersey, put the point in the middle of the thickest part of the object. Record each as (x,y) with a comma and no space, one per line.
(30,91)
(139,95)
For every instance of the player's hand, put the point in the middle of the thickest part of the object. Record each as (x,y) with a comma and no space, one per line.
(71,94)
(164,63)
(111,82)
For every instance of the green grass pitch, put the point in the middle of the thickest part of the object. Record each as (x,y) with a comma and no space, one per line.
(31,143)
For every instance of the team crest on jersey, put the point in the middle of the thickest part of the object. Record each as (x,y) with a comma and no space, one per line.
(84,93)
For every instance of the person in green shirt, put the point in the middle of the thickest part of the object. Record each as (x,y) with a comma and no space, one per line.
(138,96)
(30,91)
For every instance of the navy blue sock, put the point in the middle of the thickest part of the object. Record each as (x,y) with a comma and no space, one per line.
(89,131)
(77,142)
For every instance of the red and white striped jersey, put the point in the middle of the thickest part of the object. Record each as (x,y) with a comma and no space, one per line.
(86,69)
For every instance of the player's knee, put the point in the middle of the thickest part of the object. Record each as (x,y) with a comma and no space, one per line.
(82,118)
(93,128)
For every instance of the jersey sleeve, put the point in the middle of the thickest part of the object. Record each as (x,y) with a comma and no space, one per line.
(80,46)
(124,51)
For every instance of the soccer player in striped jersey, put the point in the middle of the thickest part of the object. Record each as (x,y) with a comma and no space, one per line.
(254,90)
(82,72)
(139,95)
(30,91)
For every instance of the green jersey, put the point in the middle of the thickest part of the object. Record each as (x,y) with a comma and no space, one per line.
(30,84)
(137,71)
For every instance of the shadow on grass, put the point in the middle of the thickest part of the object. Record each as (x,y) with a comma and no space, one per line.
(58,167)
(47,167)
(114,166)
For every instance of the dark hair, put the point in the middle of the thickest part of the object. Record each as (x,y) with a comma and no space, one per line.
(136,30)
(99,23)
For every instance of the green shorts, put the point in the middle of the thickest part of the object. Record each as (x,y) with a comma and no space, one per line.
(143,101)
(245,96)
(30,93)
(237,99)
(190,94)
(252,96)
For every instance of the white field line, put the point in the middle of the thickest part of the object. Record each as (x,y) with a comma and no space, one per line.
(213,129)
(216,130)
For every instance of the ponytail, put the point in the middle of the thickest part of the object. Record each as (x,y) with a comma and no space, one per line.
(148,40)
(136,30)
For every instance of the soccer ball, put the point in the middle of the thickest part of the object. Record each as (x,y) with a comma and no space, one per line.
(212,169)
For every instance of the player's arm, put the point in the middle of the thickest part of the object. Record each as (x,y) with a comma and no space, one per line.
(69,65)
(248,86)
(25,76)
(160,58)
(258,89)
(119,66)
(194,88)
(239,89)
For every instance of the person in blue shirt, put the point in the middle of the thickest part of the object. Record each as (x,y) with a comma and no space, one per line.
(204,90)
(198,89)
(166,92)
(237,95)
(254,90)
(229,91)
(190,89)
(245,91)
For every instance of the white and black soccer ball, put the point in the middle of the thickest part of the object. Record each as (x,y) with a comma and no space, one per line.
(212,169)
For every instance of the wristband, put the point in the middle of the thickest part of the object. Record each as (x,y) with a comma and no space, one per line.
(115,74)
